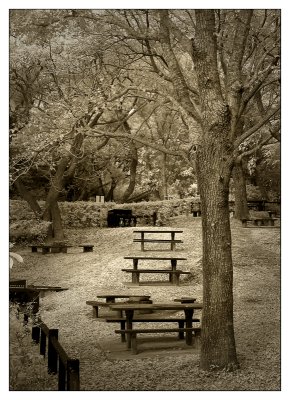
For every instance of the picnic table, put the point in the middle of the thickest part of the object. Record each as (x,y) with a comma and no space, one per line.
(172,241)
(129,310)
(58,248)
(173,272)
(110,298)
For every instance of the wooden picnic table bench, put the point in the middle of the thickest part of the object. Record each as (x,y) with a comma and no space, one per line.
(259,221)
(58,248)
(110,298)
(159,319)
(45,249)
(87,247)
(134,332)
(173,263)
(173,260)
(143,240)
(129,310)
(173,275)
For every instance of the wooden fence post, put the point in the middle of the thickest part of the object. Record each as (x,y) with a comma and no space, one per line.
(61,375)
(51,352)
(35,334)
(73,374)
(42,348)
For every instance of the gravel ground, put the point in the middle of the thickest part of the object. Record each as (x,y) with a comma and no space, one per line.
(256,257)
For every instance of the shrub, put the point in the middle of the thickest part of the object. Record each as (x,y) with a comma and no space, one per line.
(83,214)
(25,231)
(27,369)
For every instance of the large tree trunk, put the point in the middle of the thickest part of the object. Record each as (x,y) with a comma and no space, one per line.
(26,195)
(52,214)
(218,341)
(241,205)
(214,164)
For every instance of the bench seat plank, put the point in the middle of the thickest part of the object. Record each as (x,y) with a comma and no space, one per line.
(133,334)
(157,231)
(174,275)
(158,240)
(157,271)
(122,322)
(153,258)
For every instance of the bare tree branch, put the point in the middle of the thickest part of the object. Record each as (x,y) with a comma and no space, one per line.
(254,129)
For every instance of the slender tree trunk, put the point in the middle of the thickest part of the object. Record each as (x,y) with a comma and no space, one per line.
(26,195)
(50,213)
(163,173)
(110,195)
(133,169)
(241,205)
(67,163)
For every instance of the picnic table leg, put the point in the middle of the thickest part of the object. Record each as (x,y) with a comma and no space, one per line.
(95,312)
(188,324)
(142,241)
(173,267)
(129,324)
(135,277)
(172,243)
(135,263)
(123,326)
(181,326)
(175,279)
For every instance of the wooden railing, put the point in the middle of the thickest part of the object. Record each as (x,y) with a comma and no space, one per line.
(58,361)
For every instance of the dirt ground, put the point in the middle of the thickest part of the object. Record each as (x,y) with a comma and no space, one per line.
(256,259)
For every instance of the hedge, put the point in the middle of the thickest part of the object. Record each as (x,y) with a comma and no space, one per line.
(83,214)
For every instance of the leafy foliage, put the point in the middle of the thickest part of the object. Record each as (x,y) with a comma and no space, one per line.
(90,214)
(29,231)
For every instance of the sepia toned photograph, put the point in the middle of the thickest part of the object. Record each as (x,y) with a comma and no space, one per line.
(144,199)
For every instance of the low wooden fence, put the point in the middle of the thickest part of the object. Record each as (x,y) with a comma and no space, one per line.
(58,362)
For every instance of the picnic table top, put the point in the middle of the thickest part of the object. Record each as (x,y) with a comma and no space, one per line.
(158,231)
(156,306)
(153,258)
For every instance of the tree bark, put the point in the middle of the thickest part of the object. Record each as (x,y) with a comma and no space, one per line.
(133,169)
(241,205)
(51,212)
(26,195)
(218,341)
(163,177)
(214,164)
(110,195)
